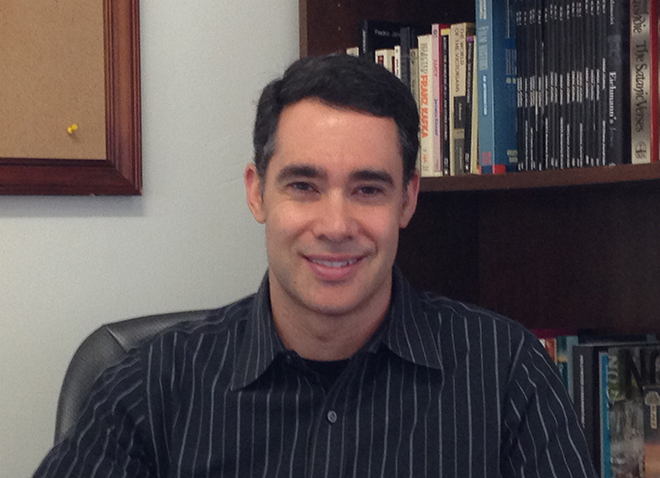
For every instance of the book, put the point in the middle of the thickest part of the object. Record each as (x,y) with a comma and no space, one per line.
(385,58)
(473,142)
(414,87)
(396,61)
(438,126)
(498,97)
(617,130)
(377,34)
(628,374)
(651,430)
(469,101)
(426,103)
(407,43)
(643,81)
(444,85)
(458,34)
(605,446)
(436,54)
(627,360)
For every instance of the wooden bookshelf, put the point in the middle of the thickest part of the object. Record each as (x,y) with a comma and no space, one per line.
(546,179)
(567,248)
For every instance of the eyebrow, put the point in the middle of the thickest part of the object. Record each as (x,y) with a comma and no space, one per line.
(299,171)
(306,171)
(373,175)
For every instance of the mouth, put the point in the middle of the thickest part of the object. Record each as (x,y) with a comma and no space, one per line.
(333,269)
(333,264)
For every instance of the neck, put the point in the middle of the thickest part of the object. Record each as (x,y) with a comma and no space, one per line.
(318,336)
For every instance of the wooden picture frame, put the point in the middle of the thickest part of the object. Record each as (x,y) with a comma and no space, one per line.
(120,173)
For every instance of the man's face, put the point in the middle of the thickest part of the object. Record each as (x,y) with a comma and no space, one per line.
(333,202)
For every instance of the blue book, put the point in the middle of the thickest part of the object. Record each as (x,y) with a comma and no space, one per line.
(605,456)
(496,49)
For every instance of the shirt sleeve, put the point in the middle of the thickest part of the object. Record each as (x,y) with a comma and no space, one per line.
(111,438)
(541,435)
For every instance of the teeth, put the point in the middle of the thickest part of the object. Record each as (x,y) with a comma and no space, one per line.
(335,263)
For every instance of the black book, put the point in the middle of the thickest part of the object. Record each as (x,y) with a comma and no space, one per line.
(377,34)
(602,105)
(578,25)
(469,60)
(521,51)
(534,74)
(408,41)
(444,84)
(617,132)
(589,93)
(564,87)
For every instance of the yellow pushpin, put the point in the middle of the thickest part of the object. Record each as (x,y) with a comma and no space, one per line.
(72,128)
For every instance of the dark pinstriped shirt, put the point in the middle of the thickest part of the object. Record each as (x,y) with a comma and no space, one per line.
(443,389)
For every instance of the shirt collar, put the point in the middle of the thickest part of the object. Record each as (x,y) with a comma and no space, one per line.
(260,344)
(406,331)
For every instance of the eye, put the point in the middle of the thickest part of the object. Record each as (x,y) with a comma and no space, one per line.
(370,190)
(301,187)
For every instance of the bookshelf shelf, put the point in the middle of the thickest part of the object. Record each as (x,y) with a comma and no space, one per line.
(572,248)
(545,179)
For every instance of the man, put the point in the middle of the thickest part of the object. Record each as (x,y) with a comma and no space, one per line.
(336,366)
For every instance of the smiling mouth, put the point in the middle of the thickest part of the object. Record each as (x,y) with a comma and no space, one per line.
(333,264)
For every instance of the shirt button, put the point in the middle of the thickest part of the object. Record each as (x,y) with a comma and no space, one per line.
(332,416)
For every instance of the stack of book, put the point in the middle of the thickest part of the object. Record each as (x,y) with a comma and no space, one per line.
(615,386)
(438,63)
(531,85)
(586,82)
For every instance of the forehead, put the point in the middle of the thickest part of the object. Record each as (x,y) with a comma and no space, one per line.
(312,133)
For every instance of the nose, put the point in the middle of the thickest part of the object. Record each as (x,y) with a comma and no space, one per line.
(335,221)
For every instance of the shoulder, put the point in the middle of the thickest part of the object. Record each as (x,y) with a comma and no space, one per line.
(220,322)
(456,314)
(473,330)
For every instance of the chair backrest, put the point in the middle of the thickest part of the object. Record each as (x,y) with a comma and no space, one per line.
(103,348)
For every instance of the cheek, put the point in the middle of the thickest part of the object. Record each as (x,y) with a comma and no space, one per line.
(285,224)
(383,228)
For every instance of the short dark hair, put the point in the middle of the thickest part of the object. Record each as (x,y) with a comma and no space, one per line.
(340,81)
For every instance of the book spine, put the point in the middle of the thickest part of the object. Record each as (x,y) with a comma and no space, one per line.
(545,102)
(617,138)
(425,104)
(474,127)
(640,82)
(592,48)
(414,87)
(605,467)
(521,49)
(457,95)
(469,80)
(496,60)
(580,66)
(602,157)
(585,385)
(396,61)
(404,55)
(437,100)
(651,431)
(444,80)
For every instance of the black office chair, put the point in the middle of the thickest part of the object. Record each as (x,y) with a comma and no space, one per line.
(104,347)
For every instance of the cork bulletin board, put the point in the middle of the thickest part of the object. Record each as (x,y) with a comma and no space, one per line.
(69,97)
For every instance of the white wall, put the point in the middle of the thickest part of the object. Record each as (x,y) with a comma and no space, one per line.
(69,264)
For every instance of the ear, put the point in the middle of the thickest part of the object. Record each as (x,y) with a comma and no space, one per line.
(409,201)
(253,190)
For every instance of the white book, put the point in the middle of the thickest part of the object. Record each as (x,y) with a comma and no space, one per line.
(425,43)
